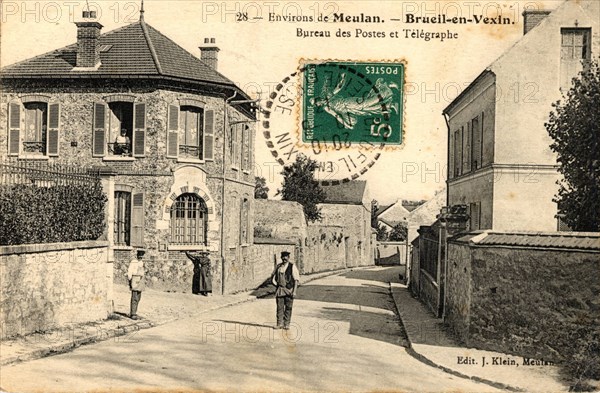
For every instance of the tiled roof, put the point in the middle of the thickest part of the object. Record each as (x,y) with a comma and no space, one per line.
(567,240)
(135,50)
(351,192)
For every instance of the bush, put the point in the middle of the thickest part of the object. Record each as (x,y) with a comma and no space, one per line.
(32,214)
(582,358)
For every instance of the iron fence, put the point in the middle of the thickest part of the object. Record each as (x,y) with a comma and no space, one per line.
(43,173)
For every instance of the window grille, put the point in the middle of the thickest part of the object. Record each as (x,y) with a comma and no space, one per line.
(189,220)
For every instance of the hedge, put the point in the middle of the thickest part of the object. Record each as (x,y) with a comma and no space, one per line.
(61,213)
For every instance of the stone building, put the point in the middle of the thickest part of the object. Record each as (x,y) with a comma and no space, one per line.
(341,239)
(171,136)
(500,163)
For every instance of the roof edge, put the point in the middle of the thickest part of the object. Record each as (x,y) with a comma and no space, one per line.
(150,45)
(458,99)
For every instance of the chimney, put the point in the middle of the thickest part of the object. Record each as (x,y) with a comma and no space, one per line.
(88,50)
(532,18)
(209,53)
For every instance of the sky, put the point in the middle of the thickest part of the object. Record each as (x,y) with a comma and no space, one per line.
(256,54)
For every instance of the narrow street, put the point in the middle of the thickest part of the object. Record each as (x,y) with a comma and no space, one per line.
(345,336)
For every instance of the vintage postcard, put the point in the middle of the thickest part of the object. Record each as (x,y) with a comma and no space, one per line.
(292,196)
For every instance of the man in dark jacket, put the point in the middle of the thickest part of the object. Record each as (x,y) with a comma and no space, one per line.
(202,279)
(286,278)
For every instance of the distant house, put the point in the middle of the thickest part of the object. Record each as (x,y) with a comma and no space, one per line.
(171,135)
(391,215)
(500,163)
(425,214)
(349,206)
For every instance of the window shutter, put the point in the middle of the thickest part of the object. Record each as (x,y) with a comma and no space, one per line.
(53,130)
(172,132)
(99,137)
(209,135)
(139,130)
(14,125)
(137,220)
(245,146)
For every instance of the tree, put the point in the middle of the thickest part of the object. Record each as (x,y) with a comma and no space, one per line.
(574,125)
(382,233)
(299,185)
(399,232)
(261,191)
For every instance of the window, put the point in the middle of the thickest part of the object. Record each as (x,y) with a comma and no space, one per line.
(246,147)
(36,124)
(466,149)
(191,124)
(458,157)
(244,223)
(129,217)
(575,52)
(33,128)
(122,218)
(235,144)
(189,220)
(475,216)
(119,128)
(476,134)
(190,131)
(575,44)
(120,125)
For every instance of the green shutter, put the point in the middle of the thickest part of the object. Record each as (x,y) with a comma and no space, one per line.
(209,135)
(139,132)
(173,131)
(99,132)
(137,220)
(53,129)
(14,125)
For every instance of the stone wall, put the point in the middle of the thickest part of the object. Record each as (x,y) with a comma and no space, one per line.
(341,239)
(279,219)
(44,286)
(526,301)
(458,302)
(327,248)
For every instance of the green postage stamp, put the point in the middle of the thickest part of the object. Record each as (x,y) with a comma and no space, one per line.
(348,102)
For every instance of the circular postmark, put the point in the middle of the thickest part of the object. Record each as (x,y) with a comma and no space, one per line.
(335,113)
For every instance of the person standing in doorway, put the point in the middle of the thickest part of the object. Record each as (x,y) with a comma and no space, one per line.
(286,278)
(136,276)
(202,275)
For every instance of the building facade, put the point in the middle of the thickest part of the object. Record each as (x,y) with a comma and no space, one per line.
(171,136)
(499,158)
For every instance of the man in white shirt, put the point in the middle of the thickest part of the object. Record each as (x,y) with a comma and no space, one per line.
(286,278)
(135,276)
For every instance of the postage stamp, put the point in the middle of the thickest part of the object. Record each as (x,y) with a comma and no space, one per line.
(341,157)
(356,101)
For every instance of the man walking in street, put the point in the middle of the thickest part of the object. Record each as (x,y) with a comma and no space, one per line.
(135,275)
(286,278)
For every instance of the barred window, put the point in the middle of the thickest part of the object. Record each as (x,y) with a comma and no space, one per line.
(189,220)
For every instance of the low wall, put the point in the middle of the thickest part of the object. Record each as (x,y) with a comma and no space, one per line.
(258,262)
(44,286)
(527,301)
(173,274)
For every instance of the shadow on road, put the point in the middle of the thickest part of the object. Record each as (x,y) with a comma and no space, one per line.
(384,275)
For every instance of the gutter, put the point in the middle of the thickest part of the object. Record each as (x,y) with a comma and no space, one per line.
(226,102)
